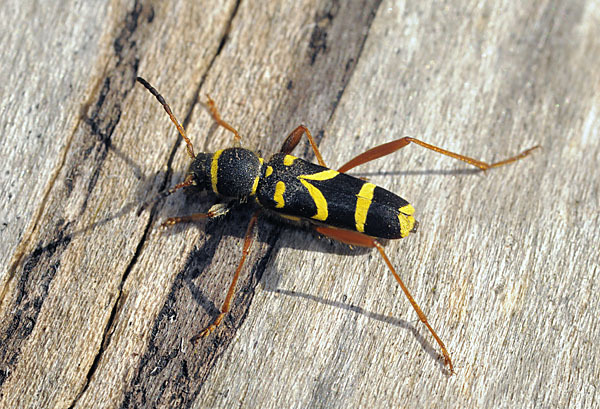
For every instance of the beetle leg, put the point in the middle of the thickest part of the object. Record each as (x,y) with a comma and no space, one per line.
(292,140)
(390,147)
(217,210)
(248,239)
(212,107)
(359,239)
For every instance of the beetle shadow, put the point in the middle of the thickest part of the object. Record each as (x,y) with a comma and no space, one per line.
(269,230)
(427,346)
(148,197)
(136,205)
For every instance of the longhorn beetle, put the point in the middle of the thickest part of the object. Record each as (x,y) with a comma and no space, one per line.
(336,205)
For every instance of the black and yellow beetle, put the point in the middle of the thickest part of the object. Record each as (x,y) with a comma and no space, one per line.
(337,205)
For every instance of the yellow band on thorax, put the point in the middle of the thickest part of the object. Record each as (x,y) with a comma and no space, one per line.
(214,170)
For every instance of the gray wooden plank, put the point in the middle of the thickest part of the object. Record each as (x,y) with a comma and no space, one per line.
(99,303)
(36,126)
(58,305)
(493,264)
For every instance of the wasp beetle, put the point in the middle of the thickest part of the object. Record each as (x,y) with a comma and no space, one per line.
(334,204)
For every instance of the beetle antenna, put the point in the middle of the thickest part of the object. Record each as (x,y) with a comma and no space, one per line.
(153,91)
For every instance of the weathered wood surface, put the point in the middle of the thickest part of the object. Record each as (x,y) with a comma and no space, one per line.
(98,304)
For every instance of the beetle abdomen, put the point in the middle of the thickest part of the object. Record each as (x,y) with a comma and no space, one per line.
(295,187)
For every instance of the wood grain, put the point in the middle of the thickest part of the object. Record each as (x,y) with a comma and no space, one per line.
(98,303)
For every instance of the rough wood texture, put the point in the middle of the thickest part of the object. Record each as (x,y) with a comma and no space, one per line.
(98,304)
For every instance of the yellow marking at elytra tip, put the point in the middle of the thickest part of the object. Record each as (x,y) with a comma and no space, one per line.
(214,169)
(363,202)
(315,194)
(254,186)
(278,196)
(261,160)
(407,210)
(288,160)
(268,171)
(407,222)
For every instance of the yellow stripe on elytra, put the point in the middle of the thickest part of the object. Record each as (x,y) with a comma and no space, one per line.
(363,202)
(319,200)
(315,194)
(288,160)
(323,175)
(278,196)
(407,222)
(214,170)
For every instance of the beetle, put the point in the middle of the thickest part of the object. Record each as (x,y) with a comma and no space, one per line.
(342,207)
